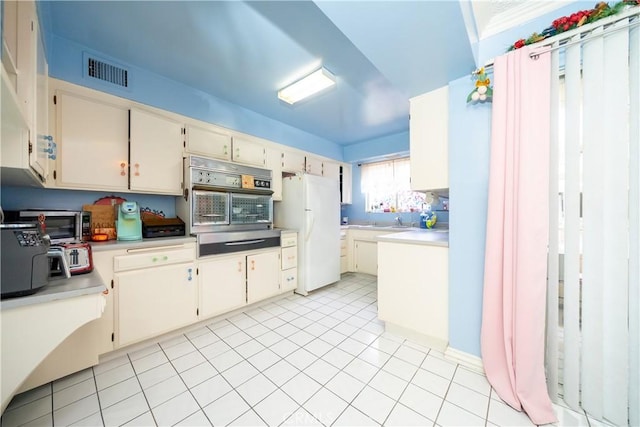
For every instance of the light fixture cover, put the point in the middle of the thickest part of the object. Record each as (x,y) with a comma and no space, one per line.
(315,82)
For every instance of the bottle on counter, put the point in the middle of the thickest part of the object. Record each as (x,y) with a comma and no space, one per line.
(428,218)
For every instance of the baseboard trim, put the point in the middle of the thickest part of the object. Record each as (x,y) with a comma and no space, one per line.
(418,338)
(465,359)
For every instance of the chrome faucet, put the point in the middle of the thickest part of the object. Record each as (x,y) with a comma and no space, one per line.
(398,220)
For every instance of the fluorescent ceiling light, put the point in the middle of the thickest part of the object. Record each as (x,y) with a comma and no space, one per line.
(315,82)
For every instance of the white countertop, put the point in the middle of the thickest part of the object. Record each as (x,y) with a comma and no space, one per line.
(110,245)
(59,288)
(418,237)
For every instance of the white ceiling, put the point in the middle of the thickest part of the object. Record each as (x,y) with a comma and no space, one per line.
(495,16)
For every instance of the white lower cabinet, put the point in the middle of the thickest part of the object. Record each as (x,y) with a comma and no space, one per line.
(263,275)
(366,257)
(362,249)
(154,301)
(156,292)
(344,265)
(289,280)
(222,284)
(413,291)
(228,282)
(289,264)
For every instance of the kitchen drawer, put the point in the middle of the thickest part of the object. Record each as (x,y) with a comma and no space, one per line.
(289,257)
(145,258)
(289,280)
(288,239)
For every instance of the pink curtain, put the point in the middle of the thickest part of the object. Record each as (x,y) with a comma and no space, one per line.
(514,300)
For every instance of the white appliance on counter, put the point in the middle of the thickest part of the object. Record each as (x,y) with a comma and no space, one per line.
(311,205)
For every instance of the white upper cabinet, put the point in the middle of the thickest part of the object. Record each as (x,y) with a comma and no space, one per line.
(429,140)
(24,88)
(293,161)
(248,152)
(93,147)
(313,165)
(10,26)
(346,183)
(331,170)
(156,153)
(44,143)
(207,142)
(274,156)
(26,57)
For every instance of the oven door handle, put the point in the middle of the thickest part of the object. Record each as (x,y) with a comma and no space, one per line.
(246,242)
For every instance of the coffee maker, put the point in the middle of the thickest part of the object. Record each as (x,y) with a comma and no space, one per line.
(129,224)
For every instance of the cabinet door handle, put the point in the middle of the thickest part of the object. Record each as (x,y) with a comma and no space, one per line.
(122,171)
(225,149)
(137,172)
(253,264)
(239,266)
(237,152)
(189,271)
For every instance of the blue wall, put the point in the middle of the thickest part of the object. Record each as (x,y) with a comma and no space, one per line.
(17,198)
(395,145)
(469,136)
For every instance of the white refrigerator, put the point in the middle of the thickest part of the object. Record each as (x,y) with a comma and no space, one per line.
(311,205)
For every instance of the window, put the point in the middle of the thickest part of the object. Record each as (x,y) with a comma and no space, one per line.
(386,186)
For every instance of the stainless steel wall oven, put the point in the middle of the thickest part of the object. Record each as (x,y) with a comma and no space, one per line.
(227,206)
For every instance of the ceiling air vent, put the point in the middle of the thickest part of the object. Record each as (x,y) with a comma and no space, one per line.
(109,73)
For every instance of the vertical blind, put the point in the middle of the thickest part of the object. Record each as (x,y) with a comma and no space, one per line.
(593,338)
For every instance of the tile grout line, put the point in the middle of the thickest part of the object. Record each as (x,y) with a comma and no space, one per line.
(185,384)
(397,402)
(444,399)
(224,378)
(142,391)
(95,382)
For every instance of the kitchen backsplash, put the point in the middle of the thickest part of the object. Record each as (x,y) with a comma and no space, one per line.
(17,198)
(358,216)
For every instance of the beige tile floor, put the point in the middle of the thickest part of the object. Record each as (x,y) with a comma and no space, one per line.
(323,359)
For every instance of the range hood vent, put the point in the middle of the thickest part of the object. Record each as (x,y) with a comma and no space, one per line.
(101,70)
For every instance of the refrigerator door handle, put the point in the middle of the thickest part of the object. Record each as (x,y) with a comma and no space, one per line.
(310,221)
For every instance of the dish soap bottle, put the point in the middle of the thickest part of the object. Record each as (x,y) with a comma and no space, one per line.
(428,218)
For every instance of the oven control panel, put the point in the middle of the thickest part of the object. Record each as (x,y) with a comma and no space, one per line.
(261,183)
(204,177)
